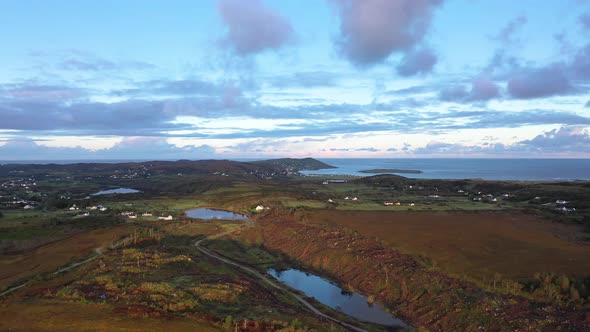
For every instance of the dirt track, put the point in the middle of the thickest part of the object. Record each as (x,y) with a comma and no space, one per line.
(53,256)
(271,283)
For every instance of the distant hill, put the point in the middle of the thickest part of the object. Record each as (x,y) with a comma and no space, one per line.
(208,170)
(296,165)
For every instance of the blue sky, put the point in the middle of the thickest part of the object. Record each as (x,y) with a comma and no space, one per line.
(323,78)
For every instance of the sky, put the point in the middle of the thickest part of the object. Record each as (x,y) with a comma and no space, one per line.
(214,79)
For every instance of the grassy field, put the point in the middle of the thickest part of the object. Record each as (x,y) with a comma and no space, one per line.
(440,205)
(371,198)
(51,256)
(30,218)
(477,245)
(58,315)
(156,205)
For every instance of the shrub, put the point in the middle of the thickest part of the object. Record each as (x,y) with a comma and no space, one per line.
(296,323)
(228,322)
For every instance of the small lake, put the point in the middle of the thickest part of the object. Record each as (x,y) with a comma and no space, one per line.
(352,304)
(209,214)
(117,191)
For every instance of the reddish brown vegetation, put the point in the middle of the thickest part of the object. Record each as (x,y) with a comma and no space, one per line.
(49,257)
(421,296)
(477,244)
(139,311)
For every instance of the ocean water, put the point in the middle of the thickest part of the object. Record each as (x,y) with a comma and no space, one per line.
(435,168)
(488,169)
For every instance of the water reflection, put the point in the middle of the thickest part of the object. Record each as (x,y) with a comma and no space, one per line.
(208,214)
(117,191)
(352,304)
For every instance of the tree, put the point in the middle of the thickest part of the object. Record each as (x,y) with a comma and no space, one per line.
(54,202)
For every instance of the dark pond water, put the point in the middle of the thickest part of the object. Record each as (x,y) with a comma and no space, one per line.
(352,304)
(208,214)
(117,191)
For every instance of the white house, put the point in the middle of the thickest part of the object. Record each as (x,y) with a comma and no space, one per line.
(166,218)
(259,208)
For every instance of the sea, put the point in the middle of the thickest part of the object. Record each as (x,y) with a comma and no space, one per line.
(435,168)
(487,169)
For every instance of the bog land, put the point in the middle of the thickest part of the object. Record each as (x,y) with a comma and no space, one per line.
(438,254)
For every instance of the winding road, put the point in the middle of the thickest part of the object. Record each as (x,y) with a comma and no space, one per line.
(270,282)
(224,260)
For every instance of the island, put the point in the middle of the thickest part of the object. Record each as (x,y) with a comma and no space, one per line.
(391,170)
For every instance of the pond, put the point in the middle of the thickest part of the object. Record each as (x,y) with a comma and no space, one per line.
(117,191)
(209,214)
(352,304)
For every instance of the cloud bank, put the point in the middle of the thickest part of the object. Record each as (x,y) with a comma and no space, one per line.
(253,27)
(419,61)
(482,89)
(130,148)
(371,30)
(540,82)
